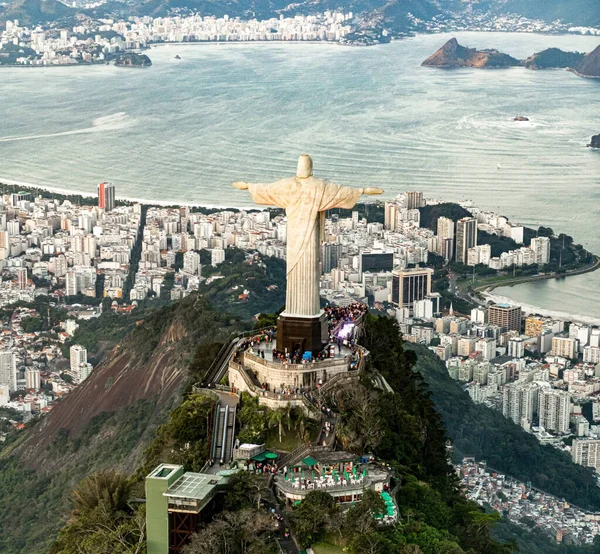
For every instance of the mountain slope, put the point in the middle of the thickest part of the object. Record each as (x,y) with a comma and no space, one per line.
(32,12)
(479,431)
(107,422)
(575,12)
(590,64)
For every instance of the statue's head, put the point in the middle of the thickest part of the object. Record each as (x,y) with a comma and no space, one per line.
(305,168)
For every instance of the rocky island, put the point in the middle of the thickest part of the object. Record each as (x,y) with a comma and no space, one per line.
(453,55)
(132,59)
(595,142)
(553,58)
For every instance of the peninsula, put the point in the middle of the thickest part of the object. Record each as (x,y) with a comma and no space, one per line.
(453,55)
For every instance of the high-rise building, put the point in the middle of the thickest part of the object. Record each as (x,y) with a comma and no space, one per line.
(564,347)
(8,369)
(376,261)
(72,285)
(414,200)
(541,249)
(586,452)
(22,278)
(191,262)
(466,237)
(217,256)
(330,256)
(410,285)
(520,401)
(32,379)
(487,347)
(445,234)
(554,410)
(505,316)
(20,196)
(591,355)
(534,326)
(4,239)
(391,215)
(106,196)
(516,347)
(13,228)
(78,357)
(480,254)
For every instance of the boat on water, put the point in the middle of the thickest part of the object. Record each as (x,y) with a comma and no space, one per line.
(178,57)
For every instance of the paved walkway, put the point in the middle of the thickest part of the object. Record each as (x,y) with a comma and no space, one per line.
(268,347)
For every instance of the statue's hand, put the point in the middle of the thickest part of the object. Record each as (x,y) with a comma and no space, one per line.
(372,190)
(242,185)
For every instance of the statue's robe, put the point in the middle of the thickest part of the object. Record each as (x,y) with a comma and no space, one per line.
(305,202)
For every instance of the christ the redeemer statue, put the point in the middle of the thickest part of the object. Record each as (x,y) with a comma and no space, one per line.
(305,199)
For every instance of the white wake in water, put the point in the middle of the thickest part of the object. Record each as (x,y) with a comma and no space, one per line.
(114,122)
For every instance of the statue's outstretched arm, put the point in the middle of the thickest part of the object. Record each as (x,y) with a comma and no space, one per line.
(372,190)
(269,194)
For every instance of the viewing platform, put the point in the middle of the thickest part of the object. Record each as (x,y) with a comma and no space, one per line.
(278,377)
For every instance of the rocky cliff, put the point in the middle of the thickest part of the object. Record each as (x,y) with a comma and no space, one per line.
(453,55)
(590,65)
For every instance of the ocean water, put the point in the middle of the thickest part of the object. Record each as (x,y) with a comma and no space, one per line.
(183,130)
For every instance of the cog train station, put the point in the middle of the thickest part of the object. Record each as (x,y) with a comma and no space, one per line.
(311,351)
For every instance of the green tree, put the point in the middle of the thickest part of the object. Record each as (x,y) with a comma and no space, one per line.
(106,488)
(275,419)
(241,532)
(102,521)
(312,516)
(245,490)
(360,519)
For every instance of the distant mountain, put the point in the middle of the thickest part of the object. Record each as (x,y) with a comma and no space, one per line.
(395,15)
(453,55)
(576,12)
(590,65)
(32,12)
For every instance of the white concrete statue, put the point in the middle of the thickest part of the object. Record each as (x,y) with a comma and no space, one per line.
(305,200)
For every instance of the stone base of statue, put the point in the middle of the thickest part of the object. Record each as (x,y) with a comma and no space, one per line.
(302,333)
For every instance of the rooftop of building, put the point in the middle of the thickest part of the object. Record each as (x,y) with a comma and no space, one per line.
(197,486)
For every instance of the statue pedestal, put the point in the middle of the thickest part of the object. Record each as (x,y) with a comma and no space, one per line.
(302,333)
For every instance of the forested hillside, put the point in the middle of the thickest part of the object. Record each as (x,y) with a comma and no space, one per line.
(479,431)
(107,422)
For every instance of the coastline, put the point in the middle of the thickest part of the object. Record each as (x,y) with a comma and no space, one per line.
(489,287)
(410,34)
(147,202)
(486,291)
(528,309)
